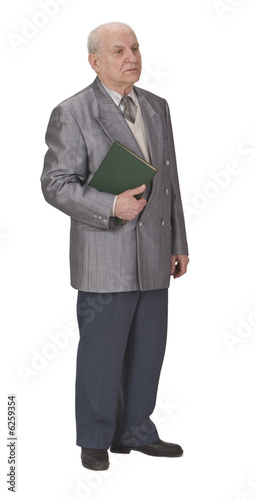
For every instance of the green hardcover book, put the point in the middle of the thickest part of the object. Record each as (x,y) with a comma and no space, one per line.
(120,170)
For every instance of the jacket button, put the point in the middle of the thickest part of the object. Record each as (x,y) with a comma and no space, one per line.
(163,222)
(167,162)
(95,217)
(140,224)
(166,191)
(100,217)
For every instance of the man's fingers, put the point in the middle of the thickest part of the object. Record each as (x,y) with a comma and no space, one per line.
(142,202)
(179,270)
(138,190)
(179,265)
(127,206)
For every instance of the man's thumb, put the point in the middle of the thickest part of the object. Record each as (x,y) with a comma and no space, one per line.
(138,190)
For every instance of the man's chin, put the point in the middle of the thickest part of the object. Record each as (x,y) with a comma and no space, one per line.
(132,76)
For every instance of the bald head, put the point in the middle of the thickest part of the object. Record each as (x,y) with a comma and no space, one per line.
(97,38)
(114,55)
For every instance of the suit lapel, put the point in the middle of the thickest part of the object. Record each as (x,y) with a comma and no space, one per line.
(153,126)
(112,121)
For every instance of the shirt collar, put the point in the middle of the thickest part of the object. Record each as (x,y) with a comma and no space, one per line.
(117,97)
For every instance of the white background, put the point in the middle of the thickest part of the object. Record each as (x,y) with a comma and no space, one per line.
(199,55)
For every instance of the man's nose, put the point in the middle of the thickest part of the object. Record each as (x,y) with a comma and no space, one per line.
(131,56)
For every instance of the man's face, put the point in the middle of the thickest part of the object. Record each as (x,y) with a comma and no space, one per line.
(119,63)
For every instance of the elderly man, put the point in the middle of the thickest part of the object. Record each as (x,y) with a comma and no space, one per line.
(122,273)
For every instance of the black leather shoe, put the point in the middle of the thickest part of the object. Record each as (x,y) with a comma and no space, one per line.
(157,449)
(94,459)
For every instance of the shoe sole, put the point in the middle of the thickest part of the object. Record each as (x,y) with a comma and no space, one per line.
(95,467)
(126,451)
(173,455)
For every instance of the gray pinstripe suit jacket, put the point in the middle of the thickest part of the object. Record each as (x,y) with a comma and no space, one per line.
(105,258)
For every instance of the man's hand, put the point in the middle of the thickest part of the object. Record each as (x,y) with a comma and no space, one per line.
(179,265)
(127,206)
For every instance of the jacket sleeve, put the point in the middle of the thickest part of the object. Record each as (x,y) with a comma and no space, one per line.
(65,173)
(179,239)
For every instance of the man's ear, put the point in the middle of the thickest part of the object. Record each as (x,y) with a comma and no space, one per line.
(93,62)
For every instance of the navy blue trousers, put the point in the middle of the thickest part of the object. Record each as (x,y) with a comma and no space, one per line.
(120,354)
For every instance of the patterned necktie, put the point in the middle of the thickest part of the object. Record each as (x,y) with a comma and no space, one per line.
(130,108)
